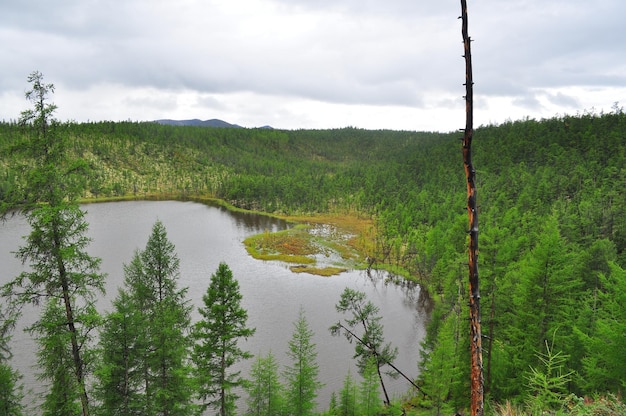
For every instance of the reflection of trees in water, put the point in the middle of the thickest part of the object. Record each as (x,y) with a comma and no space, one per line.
(414,296)
(256,222)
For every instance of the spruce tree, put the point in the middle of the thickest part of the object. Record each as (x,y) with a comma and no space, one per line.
(302,375)
(216,338)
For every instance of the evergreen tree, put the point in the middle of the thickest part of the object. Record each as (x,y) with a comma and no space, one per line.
(216,335)
(145,347)
(265,392)
(302,375)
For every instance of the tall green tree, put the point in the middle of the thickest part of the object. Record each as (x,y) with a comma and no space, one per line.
(60,268)
(302,375)
(216,338)
(363,317)
(145,344)
(265,391)
(544,296)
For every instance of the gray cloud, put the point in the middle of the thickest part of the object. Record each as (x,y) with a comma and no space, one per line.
(398,53)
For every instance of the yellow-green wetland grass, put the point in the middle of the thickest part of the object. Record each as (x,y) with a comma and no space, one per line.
(319,249)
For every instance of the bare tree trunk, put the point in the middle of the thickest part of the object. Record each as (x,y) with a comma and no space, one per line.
(477,382)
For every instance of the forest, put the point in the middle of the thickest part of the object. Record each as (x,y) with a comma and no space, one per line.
(552,261)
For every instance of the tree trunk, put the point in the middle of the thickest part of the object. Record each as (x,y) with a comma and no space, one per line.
(69,315)
(477,383)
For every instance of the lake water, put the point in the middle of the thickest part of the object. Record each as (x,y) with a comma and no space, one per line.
(204,236)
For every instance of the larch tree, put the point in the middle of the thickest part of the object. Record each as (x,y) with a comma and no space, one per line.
(145,345)
(348,397)
(369,396)
(120,372)
(302,375)
(216,349)
(363,314)
(265,391)
(62,275)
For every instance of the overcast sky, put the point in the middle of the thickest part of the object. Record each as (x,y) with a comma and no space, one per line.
(374,64)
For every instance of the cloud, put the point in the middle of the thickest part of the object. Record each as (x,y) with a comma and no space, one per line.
(358,57)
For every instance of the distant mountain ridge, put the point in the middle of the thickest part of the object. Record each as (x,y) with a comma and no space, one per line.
(214,122)
(196,122)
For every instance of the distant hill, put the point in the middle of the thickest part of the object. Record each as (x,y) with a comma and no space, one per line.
(206,123)
(195,122)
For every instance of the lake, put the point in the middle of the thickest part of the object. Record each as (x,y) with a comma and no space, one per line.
(204,236)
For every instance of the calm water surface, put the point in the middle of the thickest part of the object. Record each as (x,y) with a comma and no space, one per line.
(204,236)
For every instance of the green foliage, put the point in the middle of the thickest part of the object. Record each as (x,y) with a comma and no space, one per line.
(444,371)
(369,402)
(215,349)
(363,316)
(11,392)
(145,347)
(547,383)
(265,392)
(65,278)
(120,372)
(302,375)
(605,342)
(348,397)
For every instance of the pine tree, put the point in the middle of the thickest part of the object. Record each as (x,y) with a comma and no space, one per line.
(302,375)
(216,336)
(265,392)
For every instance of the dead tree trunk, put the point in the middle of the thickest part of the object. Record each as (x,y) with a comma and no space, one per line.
(477,383)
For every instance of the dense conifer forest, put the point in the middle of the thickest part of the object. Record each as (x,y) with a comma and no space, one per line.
(552,231)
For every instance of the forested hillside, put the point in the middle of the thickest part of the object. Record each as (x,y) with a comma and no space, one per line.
(552,227)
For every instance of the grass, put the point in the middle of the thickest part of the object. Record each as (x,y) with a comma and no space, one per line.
(323,239)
